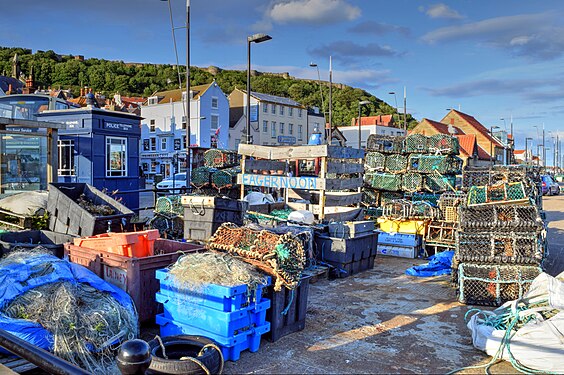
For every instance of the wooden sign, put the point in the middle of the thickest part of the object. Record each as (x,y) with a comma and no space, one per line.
(281,182)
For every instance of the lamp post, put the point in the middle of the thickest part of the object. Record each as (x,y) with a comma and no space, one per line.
(256,38)
(527,149)
(360,104)
(492,145)
(395,100)
(314,65)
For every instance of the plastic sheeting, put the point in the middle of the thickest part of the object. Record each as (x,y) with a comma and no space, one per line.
(439,264)
(18,278)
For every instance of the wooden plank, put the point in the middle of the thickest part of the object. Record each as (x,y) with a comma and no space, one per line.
(298,152)
(342,198)
(281,182)
(262,152)
(352,214)
(316,208)
(338,152)
(299,194)
(264,165)
(342,184)
(344,168)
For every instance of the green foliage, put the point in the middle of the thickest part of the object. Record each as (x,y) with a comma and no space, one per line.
(109,77)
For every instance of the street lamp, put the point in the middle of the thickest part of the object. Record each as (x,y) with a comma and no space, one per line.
(492,145)
(395,100)
(256,38)
(527,149)
(360,104)
(314,65)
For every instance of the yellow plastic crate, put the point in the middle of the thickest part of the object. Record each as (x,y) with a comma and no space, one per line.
(403,226)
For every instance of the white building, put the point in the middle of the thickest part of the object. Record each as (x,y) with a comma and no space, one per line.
(274,120)
(163,130)
(381,125)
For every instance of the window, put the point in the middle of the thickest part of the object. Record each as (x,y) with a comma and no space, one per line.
(273,129)
(116,156)
(290,111)
(265,107)
(290,129)
(299,112)
(153,144)
(273,109)
(163,144)
(145,167)
(152,126)
(146,144)
(66,158)
(214,122)
(300,127)
(214,102)
(184,142)
(265,126)
(281,128)
(153,100)
(183,122)
(282,110)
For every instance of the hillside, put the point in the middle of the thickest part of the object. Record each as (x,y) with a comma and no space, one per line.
(136,79)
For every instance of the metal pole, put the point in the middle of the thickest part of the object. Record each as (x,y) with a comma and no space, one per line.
(491,147)
(405,109)
(329,132)
(359,130)
(248,91)
(187,103)
(543,148)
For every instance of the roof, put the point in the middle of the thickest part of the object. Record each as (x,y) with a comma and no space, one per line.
(518,152)
(274,99)
(476,125)
(176,94)
(482,154)
(467,143)
(443,128)
(5,83)
(381,120)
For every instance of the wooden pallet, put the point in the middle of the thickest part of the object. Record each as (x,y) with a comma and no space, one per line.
(15,365)
(317,273)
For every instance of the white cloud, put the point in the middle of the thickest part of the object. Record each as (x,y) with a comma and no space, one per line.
(441,11)
(314,11)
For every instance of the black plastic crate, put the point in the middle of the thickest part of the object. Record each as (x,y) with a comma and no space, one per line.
(295,317)
(203,215)
(29,239)
(342,270)
(345,250)
(66,216)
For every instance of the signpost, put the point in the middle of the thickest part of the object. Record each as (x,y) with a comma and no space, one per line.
(287,139)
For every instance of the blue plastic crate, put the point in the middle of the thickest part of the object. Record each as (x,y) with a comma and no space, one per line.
(231,347)
(223,298)
(214,321)
(399,239)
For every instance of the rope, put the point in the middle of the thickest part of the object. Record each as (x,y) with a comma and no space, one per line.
(287,308)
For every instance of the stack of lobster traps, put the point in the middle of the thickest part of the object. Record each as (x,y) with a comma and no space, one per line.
(441,233)
(218,176)
(500,244)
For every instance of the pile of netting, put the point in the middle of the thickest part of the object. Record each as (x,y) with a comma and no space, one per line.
(216,158)
(196,270)
(65,308)
(281,256)
(94,209)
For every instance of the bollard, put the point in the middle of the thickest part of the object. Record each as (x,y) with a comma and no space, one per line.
(134,357)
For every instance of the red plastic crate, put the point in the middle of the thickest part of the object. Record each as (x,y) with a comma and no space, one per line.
(130,244)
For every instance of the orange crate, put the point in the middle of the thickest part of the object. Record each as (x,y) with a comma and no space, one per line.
(130,244)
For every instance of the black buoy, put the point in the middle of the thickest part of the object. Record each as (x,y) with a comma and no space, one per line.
(134,357)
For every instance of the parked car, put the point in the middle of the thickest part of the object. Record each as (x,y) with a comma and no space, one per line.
(177,181)
(549,186)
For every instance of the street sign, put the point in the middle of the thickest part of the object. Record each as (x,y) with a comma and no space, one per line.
(287,139)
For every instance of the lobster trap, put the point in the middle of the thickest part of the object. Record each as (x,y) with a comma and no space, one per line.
(201,176)
(449,204)
(500,247)
(441,233)
(412,182)
(371,197)
(444,164)
(443,144)
(428,197)
(281,256)
(216,158)
(169,205)
(384,181)
(396,163)
(438,183)
(385,144)
(493,284)
(513,192)
(516,217)
(225,178)
(375,161)
(404,209)
(416,143)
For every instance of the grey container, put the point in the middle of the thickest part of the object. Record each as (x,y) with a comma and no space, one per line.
(346,250)
(66,216)
(29,239)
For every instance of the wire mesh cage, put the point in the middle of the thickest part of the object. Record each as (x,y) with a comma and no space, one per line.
(385,144)
(441,233)
(524,218)
(443,144)
(502,192)
(416,143)
(428,197)
(216,158)
(438,183)
(444,164)
(475,177)
(387,196)
(405,209)
(375,160)
(396,163)
(371,197)
(493,284)
(412,182)
(225,178)
(449,204)
(169,205)
(500,247)
(384,181)
(201,176)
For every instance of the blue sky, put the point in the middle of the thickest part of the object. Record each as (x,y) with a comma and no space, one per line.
(492,59)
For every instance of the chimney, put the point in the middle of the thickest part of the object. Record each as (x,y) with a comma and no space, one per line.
(452,121)
(9,89)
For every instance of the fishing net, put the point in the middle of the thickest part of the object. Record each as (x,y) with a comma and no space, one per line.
(502,192)
(385,144)
(443,144)
(85,323)
(281,256)
(396,163)
(225,178)
(493,284)
(416,143)
(171,205)
(94,209)
(438,183)
(412,182)
(522,218)
(216,158)
(201,176)
(427,197)
(384,181)
(375,161)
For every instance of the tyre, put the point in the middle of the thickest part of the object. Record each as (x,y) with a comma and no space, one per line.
(177,347)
